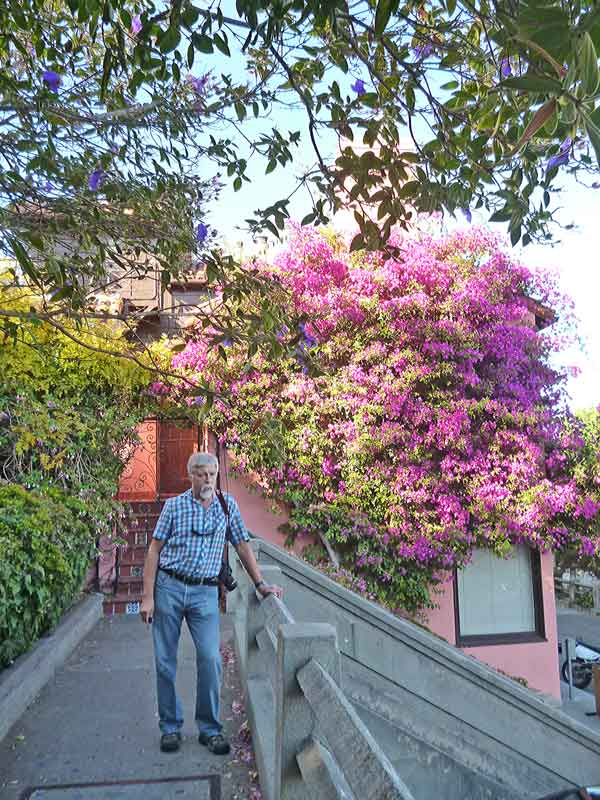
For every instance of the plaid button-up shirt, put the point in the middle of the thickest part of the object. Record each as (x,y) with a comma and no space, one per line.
(194,536)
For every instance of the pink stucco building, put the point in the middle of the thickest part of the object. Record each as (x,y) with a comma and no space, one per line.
(518,592)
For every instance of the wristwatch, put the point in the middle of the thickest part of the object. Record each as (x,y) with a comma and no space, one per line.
(259,583)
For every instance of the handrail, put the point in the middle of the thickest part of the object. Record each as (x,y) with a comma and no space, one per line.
(310,742)
(576,584)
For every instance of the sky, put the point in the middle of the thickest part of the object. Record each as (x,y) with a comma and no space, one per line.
(576,257)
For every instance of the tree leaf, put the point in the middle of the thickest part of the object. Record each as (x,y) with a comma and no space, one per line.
(221,43)
(545,55)
(202,43)
(589,65)
(383,13)
(533,83)
(540,118)
(593,132)
(169,40)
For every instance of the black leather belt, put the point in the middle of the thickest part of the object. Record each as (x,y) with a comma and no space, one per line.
(190,581)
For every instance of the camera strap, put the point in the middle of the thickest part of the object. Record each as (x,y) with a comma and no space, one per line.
(225,508)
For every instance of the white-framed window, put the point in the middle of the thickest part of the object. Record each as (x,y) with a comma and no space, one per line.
(499,600)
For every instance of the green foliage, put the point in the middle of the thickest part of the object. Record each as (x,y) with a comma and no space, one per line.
(45,550)
(585,467)
(67,425)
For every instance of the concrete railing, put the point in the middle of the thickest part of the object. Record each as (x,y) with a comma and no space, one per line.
(310,742)
(449,725)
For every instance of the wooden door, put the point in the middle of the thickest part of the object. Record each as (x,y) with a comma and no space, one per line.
(176,443)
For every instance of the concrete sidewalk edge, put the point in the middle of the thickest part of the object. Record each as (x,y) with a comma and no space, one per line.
(23,681)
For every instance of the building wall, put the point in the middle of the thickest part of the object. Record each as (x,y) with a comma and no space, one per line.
(537,662)
(262,518)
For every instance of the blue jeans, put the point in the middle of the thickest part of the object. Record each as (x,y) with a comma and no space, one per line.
(199,606)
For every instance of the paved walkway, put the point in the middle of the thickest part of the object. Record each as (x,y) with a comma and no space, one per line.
(97,722)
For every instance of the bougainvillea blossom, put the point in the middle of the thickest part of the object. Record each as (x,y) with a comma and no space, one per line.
(435,424)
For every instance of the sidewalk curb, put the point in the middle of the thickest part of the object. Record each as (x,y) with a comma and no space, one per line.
(23,681)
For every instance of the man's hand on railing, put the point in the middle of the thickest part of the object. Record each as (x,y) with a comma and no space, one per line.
(265,589)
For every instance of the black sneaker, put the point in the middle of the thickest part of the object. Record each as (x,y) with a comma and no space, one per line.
(169,742)
(217,743)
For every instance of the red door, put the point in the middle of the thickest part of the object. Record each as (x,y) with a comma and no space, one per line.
(176,443)
(157,468)
(139,478)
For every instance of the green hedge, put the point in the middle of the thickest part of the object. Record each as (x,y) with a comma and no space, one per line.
(45,550)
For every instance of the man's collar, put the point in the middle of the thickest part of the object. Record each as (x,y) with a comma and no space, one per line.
(190,494)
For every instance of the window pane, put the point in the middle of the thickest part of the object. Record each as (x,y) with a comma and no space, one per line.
(495,595)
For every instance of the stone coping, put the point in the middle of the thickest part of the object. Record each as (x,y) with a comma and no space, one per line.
(431,646)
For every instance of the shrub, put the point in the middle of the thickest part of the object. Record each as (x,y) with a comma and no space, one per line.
(421,416)
(45,548)
(68,417)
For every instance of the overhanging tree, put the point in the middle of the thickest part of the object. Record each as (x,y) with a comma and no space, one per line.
(117,117)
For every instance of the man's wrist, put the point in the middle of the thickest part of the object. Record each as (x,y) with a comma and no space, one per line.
(258,584)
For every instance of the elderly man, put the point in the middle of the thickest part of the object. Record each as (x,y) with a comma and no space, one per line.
(181,582)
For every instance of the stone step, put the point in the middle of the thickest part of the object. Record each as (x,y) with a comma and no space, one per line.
(132,555)
(131,570)
(130,585)
(144,507)
(138,537)
(137,521)
(121,604)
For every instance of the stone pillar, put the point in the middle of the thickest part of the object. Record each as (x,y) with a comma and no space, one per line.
(296,645)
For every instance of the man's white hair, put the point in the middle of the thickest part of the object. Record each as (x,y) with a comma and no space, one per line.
(201,460)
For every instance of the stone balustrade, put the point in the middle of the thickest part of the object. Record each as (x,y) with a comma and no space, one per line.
(310,742)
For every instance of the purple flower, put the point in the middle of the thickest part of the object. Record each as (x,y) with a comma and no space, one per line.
(199,401)
(359,87)
(588,510)
(201,232)
(136,25)
(227,342)
(96,179)
(423,50)
(48,186)
(199,85)
(307,339)
(52,78)
(467,213)
(505,68)
(562,157)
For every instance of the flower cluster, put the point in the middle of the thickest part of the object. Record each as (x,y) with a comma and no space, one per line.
(435,422)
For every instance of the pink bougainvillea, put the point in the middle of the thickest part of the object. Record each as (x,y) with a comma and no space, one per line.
(420,415)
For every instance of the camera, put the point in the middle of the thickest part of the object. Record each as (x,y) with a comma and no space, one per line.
(226,577)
